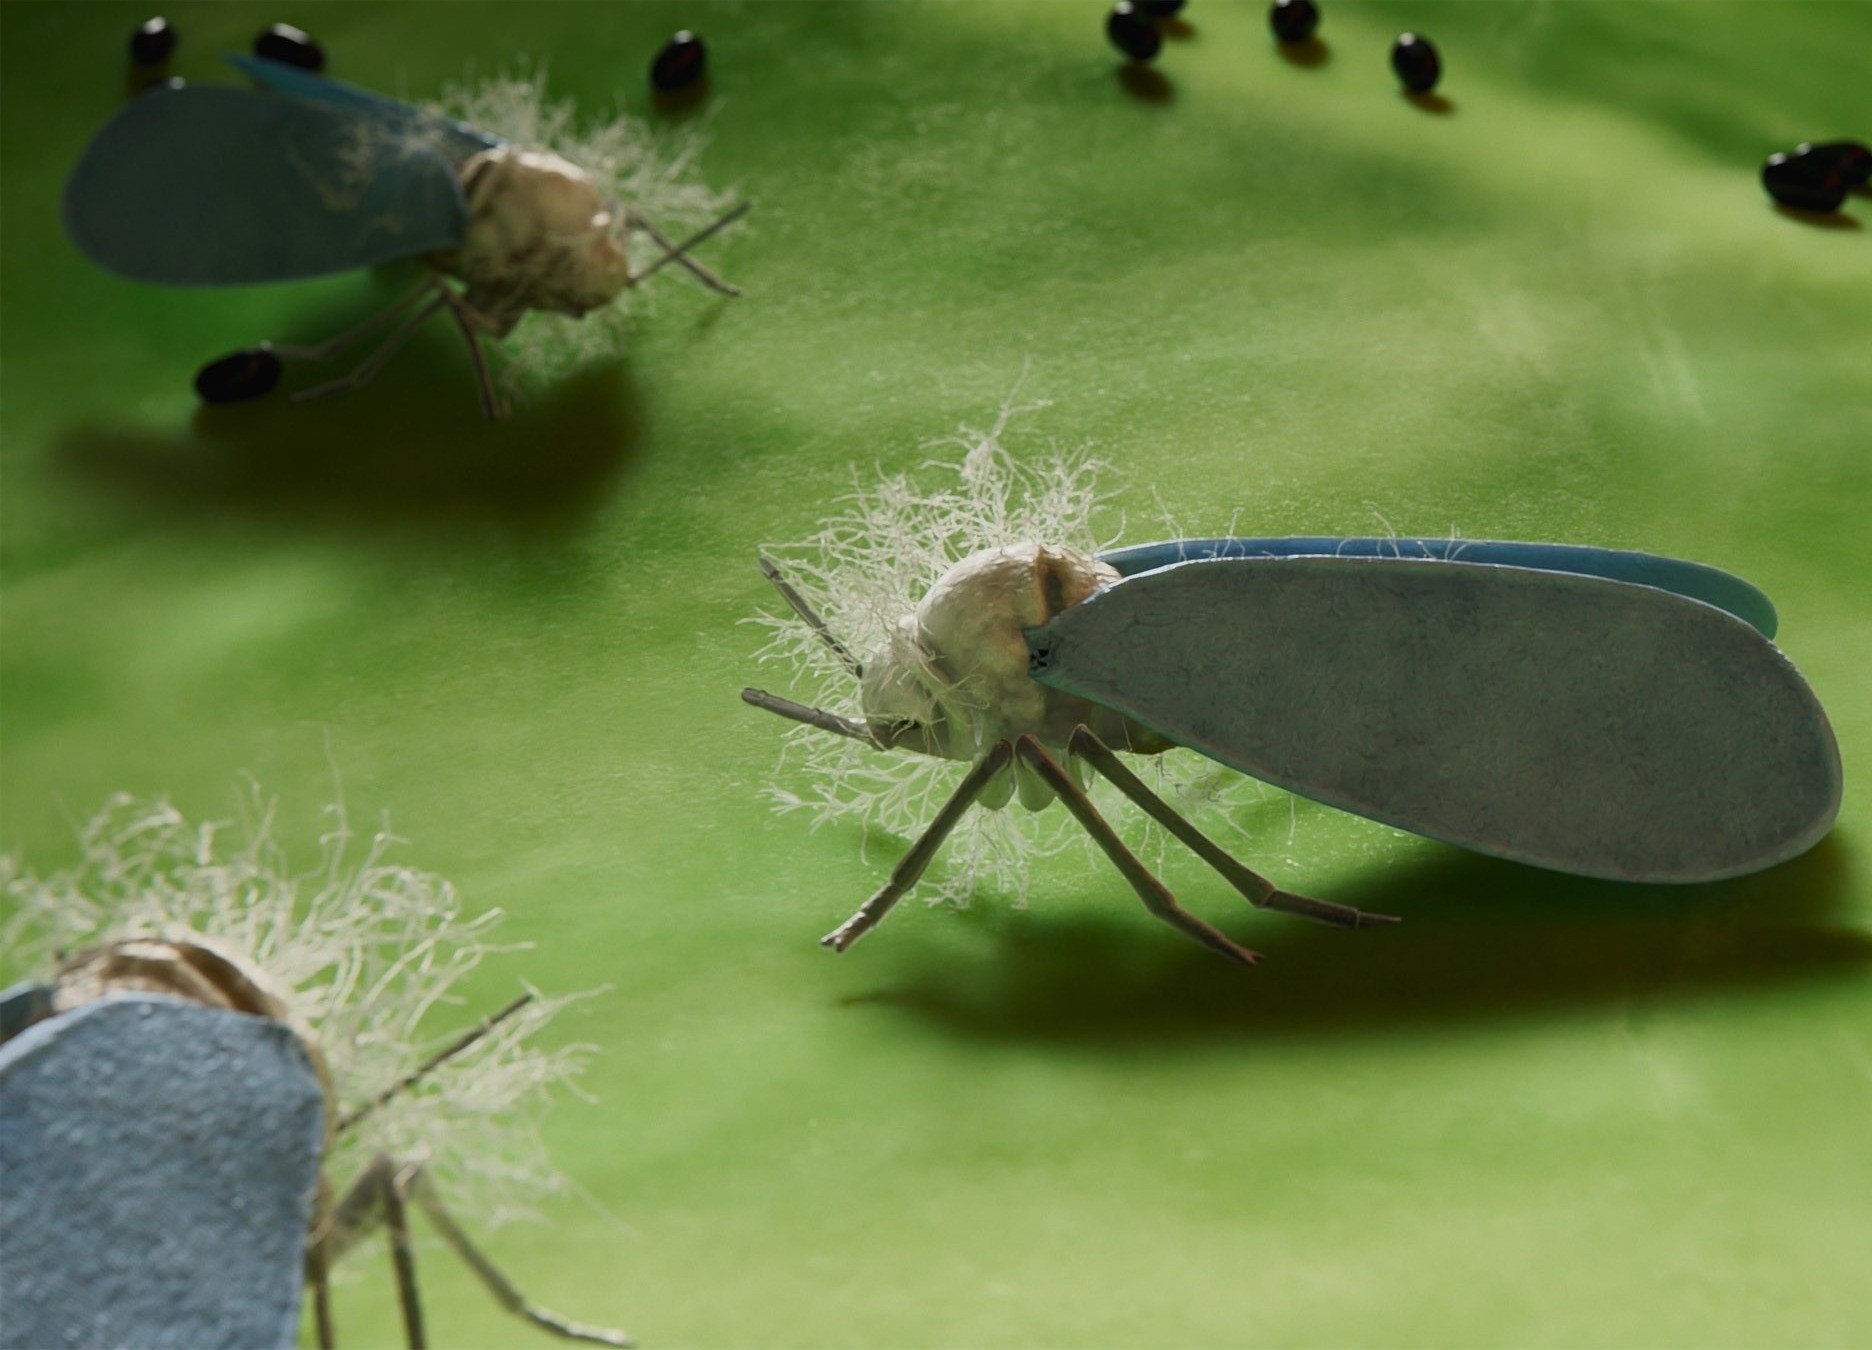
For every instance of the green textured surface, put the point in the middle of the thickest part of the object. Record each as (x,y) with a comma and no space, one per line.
(1541,1112)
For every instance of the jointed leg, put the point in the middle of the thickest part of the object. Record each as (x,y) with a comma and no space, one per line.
(911,866)
(464,317)
(379,1195)
(324,351)
(1256,888)
(1155,895)
(403,1257)
(367,369)
(375,1197)
(679,253)
(318,1264)
(423,1192)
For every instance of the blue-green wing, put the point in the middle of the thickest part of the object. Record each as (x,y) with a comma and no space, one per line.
(455,139)
(1694,580)
(1559,718)
(214,185)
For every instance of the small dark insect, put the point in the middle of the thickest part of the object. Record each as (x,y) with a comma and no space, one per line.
(291,46)
(1293,20)
(1807,180)
(1132,32)
(1160,9)
(1416,63)
(249,373)
(683,61)
(153,43)
(1852,160)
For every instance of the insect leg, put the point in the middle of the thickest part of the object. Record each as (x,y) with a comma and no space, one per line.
(375,1197)
(366,370)
(491,408)
(402,1256)
(423,1192)
(797,603)
(324,351)
(909,867)
(1155,895)
(318,1264)
(679,253)
(1257,889)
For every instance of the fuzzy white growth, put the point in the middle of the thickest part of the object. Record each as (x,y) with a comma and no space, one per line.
(626,162)
(366,950)
(871,566)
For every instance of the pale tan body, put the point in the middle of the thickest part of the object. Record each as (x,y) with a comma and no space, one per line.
(539,237)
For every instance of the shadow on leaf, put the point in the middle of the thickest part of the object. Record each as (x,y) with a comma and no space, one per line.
(1481,940)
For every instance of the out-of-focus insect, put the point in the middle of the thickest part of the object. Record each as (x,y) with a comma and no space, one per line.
(1604,713)
(197,971)
(217,185)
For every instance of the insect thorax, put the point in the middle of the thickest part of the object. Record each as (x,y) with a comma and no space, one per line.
(190,969)
(539,237)
(952,680)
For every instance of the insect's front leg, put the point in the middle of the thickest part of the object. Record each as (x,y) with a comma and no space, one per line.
(1155,895)
(911,866)
(377,1197)
(318,1263)
(1257,889)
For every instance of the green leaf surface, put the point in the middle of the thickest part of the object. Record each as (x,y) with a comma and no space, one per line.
(1276,295)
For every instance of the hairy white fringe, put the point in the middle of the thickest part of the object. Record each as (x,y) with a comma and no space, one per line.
(629,162)
(366,947)
(869,565)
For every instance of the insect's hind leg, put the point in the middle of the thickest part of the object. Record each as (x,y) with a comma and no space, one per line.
(911,866)
(1255,888)
(326,350)
(1155,895)
(366,370)
(423,1192)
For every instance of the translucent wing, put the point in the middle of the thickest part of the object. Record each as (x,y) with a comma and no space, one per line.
(1709,584)
(212,185)
(1558,718)
(454,139)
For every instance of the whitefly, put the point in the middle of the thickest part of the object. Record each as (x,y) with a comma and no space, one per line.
(1597,711)
(903,632)
(512,205)
(360,956)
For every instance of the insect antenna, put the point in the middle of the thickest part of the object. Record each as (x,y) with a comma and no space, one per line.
(435,1061)
(797,602)
(679,253)
(812,717)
